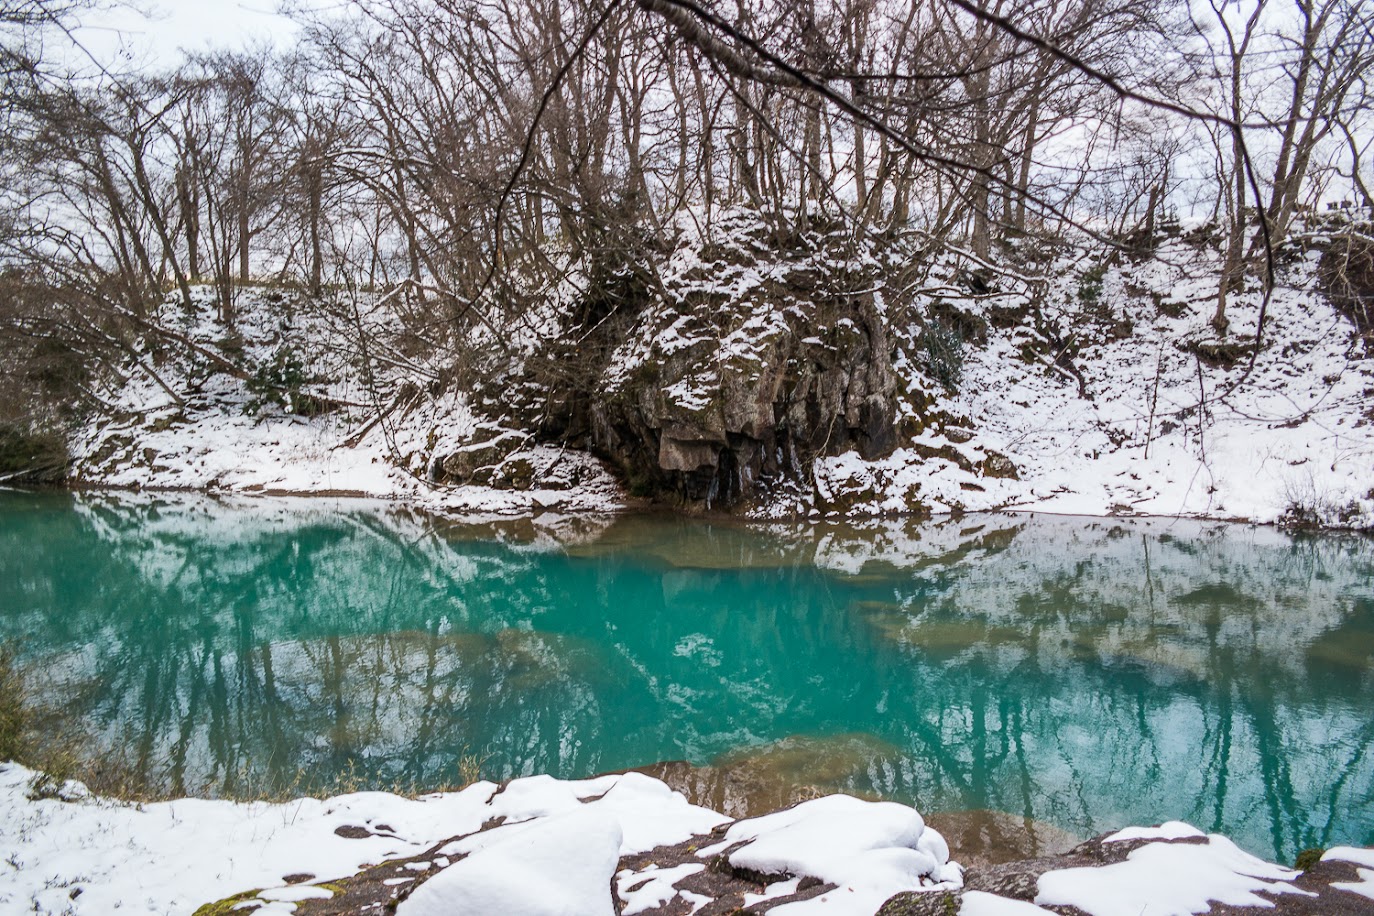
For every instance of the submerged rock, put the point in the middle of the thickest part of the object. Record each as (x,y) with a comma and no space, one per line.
(754,781)
(983,837)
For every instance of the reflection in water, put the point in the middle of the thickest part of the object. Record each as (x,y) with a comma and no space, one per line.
(1075,673)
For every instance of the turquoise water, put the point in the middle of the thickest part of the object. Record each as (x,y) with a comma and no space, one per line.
(1087,673)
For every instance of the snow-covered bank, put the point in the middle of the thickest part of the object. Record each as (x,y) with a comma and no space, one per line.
(1091,388)
(614,844)
(1122,401)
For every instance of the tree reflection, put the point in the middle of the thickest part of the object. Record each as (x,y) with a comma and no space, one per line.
(1084,673)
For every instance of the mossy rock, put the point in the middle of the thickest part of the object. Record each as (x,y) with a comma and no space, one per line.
(462,465)
(921,903)
(995,464)
(162,424)
(516,473)
(946,452)
(229,905)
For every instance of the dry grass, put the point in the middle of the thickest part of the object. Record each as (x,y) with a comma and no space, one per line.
(14,725)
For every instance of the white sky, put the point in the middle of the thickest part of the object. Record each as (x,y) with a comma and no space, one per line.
(193,25)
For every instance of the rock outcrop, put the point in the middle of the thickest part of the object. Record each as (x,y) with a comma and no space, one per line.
(752,360)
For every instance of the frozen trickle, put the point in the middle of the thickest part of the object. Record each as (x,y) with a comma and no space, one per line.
(557,866)
(1169,879)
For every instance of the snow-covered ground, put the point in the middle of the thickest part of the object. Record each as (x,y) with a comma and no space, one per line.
(219,433)
(543,847)
(1152,429)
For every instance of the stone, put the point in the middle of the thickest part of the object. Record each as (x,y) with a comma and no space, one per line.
(462,465)
(683,455)
(998,465)
(716,437)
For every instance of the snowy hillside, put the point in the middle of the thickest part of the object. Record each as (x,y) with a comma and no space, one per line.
(1114,397)
(1060,384)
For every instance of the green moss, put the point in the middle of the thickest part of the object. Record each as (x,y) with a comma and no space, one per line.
(1090,284)
(1308,858)
(229,905)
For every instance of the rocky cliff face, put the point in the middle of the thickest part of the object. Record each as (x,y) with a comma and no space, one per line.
(752,359)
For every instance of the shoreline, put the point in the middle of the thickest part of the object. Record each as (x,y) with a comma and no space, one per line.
(633,507)
(620,842)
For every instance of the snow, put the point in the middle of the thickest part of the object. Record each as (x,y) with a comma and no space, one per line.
(871,850)
(1170,830)
(558,866)
(1349,854)
(1168,879)
(1152,430)
(1360,857)
(1295,433)
(1364,887)
(556,852)
(652,887)
(226,439)
(175,856)
(981,903)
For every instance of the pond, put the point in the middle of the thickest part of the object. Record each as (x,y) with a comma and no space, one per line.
(1080,674)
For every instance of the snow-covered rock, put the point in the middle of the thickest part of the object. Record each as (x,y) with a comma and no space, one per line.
(546,847)
(560,865)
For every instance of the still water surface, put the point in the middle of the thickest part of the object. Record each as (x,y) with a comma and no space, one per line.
(1083,673)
